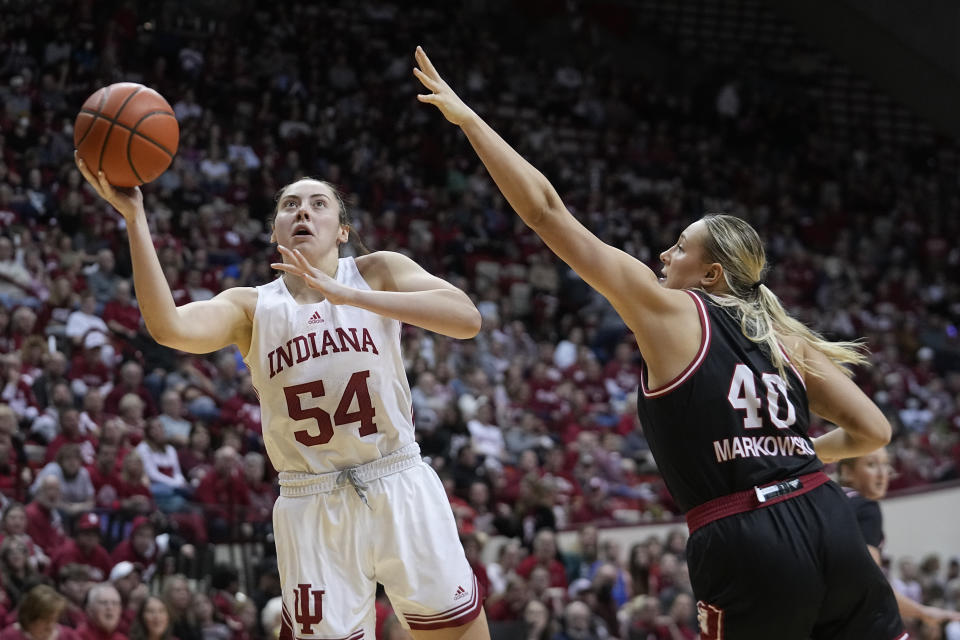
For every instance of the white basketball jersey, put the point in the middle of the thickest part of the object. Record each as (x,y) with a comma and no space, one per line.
(332,386)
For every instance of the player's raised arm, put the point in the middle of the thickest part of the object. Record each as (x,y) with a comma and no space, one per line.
(198,327)
(629,284)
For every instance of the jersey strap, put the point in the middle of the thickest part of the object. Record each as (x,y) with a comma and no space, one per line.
(754,498)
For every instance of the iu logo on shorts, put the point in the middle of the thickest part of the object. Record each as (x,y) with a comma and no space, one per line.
(711,621)
(306,611)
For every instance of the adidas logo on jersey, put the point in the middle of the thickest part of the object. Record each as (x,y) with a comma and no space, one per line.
(315,318)
(460,594)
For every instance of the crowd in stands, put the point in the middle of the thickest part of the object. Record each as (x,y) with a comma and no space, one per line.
(122,462)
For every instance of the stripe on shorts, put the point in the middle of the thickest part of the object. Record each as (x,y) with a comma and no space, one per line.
(453,617)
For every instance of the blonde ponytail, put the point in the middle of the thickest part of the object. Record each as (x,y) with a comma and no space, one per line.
(734,244)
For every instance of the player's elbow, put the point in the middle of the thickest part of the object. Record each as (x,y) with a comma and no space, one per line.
(165,336)
(469,326)
(883,432)
(875,432)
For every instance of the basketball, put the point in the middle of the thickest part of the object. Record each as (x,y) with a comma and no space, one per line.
(128,131)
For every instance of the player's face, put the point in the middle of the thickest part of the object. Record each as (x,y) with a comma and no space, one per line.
(308,215)
(871,474)
(684,263)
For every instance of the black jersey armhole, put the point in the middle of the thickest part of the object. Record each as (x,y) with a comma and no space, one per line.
(705,335)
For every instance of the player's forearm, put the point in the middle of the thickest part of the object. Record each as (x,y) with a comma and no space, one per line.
(443,311)
(153,293)
(908,608)
(526,189)
(840,444)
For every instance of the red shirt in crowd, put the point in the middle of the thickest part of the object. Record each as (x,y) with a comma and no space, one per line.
(89,632)
(126,315)
(224,497)
(558,575)
(98,560)
(93,372)
(44,528)
(88,447)
(112,403)
(242,410)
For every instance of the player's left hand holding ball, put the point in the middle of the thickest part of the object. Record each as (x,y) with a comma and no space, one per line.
(442,96)
(127,200)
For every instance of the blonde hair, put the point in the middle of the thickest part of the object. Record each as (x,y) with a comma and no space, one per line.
(735,245)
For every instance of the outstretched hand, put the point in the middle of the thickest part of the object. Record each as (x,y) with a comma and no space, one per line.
(441,95)
(128,201)
(298,265)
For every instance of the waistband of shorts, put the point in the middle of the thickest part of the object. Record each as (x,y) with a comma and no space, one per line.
(755,498)
(294,484)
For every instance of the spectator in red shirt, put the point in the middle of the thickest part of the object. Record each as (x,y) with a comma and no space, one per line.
(87,369)
(123,317)
(84,549)
(139,547)
(592,505)
(133,497)
(262,493)
(131,416)
(511,604)
(70,434)
(14,390)
(38,617)
(224,494)
(243,408)
(93,416)
(131,381)
(544,555)
(44,524)
(13,478)
(103,614)
(114,430)
(105,467)
(195,459)
(224,585)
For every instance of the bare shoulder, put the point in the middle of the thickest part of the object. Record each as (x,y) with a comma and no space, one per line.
(243,297)
(383,269)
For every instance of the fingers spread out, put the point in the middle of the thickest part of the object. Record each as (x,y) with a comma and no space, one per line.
(296,263)
(424,61)
(426,80)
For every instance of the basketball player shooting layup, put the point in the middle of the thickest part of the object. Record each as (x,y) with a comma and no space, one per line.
(357,504)
(726,388)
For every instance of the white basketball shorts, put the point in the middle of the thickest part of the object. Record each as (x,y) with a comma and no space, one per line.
(333,547)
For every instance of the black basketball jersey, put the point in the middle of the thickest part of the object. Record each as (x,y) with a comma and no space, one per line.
(728,422)
(869,517)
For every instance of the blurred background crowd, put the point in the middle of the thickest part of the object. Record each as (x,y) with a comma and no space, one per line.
(131,473)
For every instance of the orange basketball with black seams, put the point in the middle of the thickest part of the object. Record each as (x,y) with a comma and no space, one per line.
(129,132)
